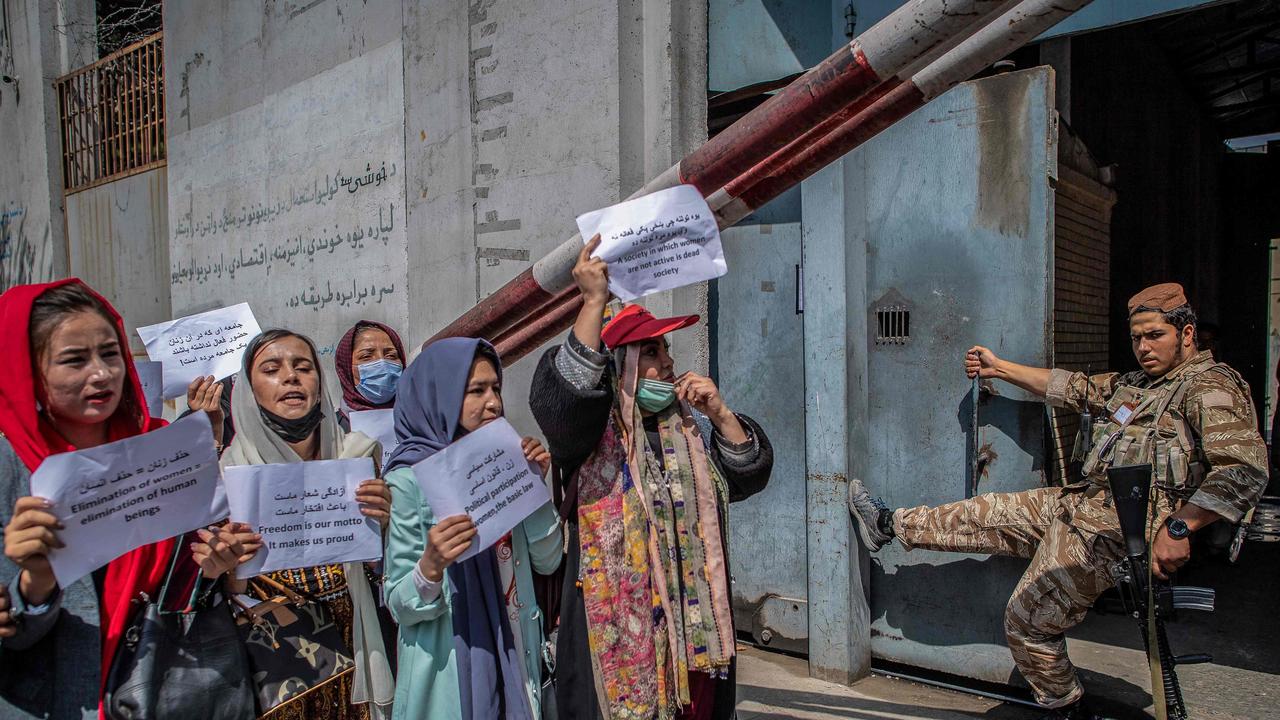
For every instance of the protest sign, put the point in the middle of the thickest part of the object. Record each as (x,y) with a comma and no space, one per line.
(209,343)
(149,374)
(664,240)
(129,493)
(379,425)
(485,476)
(306,513)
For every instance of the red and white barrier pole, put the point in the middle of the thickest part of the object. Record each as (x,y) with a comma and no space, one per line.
(875,61)
(787,167)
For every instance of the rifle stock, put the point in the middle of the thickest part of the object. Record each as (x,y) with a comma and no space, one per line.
(1147,599)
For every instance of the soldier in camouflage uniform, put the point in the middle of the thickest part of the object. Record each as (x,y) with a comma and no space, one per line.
(1190,417)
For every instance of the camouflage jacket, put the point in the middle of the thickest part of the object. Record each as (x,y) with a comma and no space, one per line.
(1195,425)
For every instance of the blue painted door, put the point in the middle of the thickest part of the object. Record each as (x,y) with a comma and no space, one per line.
(954,206)
(760,363)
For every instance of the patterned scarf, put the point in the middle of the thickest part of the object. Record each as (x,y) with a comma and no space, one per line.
(653,567)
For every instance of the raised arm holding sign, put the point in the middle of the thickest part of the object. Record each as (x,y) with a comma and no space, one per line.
(208,343)
(664,240)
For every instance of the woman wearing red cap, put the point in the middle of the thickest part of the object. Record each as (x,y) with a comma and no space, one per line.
(69,384)
(652,458)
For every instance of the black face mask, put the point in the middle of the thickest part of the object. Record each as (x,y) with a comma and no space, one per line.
(293,430)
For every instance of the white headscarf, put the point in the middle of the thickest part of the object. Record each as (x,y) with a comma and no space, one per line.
(256,444)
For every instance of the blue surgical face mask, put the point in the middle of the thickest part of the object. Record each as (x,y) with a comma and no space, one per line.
(378,380)
(654,395)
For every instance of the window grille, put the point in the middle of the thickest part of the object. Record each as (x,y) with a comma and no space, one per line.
(112,115)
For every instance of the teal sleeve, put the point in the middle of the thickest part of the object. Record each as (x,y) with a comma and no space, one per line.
(411,518)
(542,530)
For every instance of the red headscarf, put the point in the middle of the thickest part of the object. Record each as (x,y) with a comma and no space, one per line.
(33,438)
(351,397)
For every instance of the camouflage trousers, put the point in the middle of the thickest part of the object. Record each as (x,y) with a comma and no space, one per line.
(1069,569)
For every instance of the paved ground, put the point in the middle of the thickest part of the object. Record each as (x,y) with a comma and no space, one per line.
(772,686)
(1243,635)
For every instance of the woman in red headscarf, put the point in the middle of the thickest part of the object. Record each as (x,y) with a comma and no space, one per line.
(69,384)
(368,361)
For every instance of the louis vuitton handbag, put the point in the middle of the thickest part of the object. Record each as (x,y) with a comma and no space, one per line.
(293,642)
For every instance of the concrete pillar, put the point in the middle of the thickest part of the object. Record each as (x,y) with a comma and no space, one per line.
(835,370)
(45,40)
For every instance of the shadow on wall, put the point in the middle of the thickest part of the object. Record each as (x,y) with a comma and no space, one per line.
(22,260)
(1021,421)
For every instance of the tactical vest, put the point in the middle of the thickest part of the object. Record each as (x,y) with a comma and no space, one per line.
(1150,425)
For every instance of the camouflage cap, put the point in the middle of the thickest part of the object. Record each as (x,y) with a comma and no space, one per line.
(1163,297)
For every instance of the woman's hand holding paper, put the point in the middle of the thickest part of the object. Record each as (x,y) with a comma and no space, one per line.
(375,500)
(446,540)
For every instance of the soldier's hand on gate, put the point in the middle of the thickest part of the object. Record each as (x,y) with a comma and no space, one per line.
(980,362)
(446,540)
(1168,554)
(592,274)
(8,628)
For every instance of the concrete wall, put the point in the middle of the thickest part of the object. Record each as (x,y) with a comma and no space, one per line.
(118,242)
(498,122)
(45,40)
(286,162)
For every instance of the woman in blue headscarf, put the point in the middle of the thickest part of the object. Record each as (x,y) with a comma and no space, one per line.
(470,632)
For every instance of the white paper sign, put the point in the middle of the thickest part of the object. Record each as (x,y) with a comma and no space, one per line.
(149,374)
(664,240)
(120,496)
(485,476)
(379,425)
(306,513)
(208,343)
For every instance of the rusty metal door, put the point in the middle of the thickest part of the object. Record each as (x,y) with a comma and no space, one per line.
(759,351)
(954,206)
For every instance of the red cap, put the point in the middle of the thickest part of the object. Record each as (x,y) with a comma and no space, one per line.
(633,323)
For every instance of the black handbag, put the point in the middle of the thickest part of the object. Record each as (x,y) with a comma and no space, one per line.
(184,664)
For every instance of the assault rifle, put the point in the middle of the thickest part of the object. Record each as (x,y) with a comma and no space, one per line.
(1151,601)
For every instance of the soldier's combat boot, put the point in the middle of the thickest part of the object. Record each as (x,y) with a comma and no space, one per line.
(873,520)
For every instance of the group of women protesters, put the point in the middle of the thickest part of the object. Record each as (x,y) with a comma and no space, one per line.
(627,569)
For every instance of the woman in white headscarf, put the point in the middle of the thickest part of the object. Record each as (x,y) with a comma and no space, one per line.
(282,415)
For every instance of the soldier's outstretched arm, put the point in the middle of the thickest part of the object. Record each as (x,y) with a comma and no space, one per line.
(1061,388)
(983,363)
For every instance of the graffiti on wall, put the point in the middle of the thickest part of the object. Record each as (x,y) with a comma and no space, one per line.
(24,254)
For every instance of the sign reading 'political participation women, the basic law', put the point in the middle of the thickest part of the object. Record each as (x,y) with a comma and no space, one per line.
(485,476)
(306,513)
(120,496)
(664,240)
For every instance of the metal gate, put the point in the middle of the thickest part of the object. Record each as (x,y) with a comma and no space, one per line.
(760,353)
(956,213)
